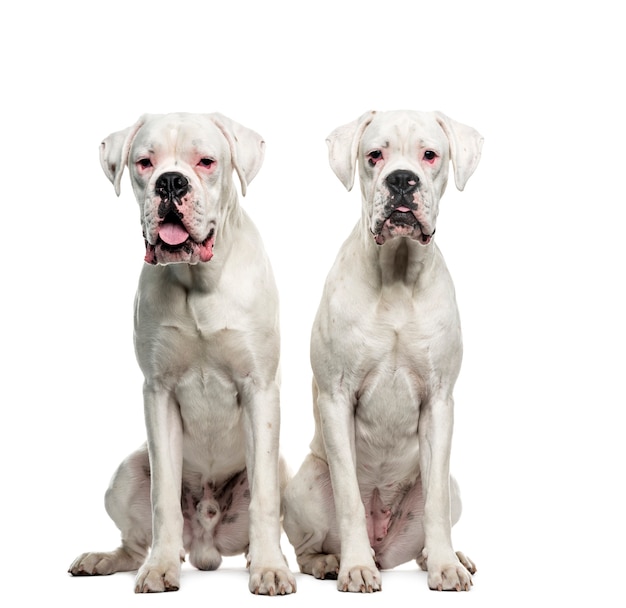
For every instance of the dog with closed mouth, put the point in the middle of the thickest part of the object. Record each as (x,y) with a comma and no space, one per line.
(376,490)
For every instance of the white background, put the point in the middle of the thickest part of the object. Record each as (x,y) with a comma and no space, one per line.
(535,245)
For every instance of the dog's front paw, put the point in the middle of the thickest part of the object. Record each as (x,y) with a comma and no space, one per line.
(359,579)
(451,575)
(272,581)
(158,575)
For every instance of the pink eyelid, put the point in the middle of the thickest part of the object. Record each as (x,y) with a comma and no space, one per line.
(144,163)
(374,157)
(434,157)
(210,162)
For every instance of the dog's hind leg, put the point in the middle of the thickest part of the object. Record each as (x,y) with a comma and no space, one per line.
(310,519)
(127,501)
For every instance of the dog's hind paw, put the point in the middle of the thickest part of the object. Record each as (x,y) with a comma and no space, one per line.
(104,563)
(320,565)
(467,562)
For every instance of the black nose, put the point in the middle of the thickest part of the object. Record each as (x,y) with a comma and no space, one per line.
(403,182)
(172,185)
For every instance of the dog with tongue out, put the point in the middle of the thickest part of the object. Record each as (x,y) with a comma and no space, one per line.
(207,481)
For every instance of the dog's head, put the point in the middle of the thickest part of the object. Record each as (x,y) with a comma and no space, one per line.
(181,171)
(403,159)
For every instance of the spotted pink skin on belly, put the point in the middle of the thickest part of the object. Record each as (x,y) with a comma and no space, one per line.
(217,517)
(377,517)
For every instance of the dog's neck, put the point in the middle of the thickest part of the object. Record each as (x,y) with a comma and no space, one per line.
(200,277)
(401,261)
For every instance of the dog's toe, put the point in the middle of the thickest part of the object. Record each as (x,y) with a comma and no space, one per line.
(272,581)
(467,562)
(156,577)
(359,579)
(451,577)
(103,563)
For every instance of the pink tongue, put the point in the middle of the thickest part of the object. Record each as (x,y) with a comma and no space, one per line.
(173,234)
(403,209)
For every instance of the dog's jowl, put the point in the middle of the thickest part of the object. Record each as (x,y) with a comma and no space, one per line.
(207,482)
(376,490)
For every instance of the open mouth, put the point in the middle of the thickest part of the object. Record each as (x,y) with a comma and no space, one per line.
(174,244)
(172,232)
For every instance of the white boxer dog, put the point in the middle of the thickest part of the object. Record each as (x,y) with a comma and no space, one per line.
(376,491)
(207,482)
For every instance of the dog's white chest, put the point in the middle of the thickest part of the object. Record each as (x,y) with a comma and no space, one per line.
(387,416)
(212,418)
(201,367)
(400,366)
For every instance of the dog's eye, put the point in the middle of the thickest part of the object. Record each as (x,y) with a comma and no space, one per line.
(373,157)
(205,162)
(430,155)
(144,163)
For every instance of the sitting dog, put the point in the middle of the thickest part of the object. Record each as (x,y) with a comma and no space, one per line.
(207,482)
(376,491)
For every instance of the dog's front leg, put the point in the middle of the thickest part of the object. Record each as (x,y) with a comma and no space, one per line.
(357,570)
(269,573)
(161,571)
(445,571)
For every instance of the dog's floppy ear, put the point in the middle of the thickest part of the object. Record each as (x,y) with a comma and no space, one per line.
(343,148)
(247,148)
(465,147)
(114,152)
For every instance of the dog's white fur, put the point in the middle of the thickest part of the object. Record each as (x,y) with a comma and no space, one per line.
(376,491)
(207,341)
